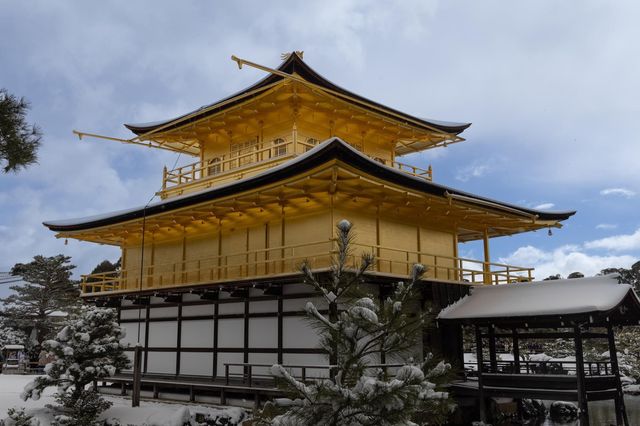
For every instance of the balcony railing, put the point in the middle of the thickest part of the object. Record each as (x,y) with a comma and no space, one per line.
(239,165)
(287,259)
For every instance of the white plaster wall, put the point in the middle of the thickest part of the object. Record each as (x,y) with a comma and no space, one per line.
(307,359)
(161,362)
(197,334)
(231,308)
(131,333)
(229,357)
(297,333)
(263,332)
(195,310)
(263,306)
(268,359)
(197,364)
(231,333)
(170,312)
(133,313)
(163,334)
(298,305)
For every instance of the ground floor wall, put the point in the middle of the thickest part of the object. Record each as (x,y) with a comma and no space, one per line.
(197,334)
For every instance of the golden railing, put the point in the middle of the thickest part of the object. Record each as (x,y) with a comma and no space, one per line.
(202,173)
(287,259)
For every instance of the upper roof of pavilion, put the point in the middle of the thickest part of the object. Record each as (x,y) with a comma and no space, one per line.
(170,134)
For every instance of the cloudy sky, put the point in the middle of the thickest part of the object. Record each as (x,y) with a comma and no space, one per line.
(551,88)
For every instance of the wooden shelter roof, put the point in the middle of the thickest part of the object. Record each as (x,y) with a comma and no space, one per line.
(556,303)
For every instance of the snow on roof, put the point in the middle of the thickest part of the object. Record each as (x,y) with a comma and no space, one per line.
(13,347)
(540,298)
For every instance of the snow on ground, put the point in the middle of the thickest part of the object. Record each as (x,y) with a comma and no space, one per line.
(148,414)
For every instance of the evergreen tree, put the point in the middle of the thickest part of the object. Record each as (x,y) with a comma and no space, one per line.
(358,392)
(19,141)
(48,289)
(629,276)
(553,277)
(103,267)
(87,348)
(628,346)
(10,335)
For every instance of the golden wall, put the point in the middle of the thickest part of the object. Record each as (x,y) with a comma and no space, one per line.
(278,244)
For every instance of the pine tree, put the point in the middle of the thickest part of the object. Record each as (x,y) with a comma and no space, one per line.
(87,348)
(19,141)
(358,392)
(10,335)
(48,289)
(629,276)
(628,346)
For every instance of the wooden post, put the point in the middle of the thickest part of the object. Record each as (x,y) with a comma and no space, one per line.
(492,349)
(621,412)
(137,376)
(487,258)
(583,408)
(457,276)
(516,351)
(481,405)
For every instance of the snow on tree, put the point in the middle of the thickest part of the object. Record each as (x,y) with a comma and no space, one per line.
(357,338)
(47,289)
(9,335)
(86,349)
(629,276)
(628,346)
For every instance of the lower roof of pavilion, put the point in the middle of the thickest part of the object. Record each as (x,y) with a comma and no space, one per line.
(332,172)
(595,301)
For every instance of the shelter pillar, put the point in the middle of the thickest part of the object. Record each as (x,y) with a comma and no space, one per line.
(582,392)
(492,349)
(516,351)
(481,402)
(621,412)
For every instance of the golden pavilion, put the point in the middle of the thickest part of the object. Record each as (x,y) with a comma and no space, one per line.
(209,276)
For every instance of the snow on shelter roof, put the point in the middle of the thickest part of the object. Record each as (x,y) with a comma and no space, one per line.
(554,298)
(13,347)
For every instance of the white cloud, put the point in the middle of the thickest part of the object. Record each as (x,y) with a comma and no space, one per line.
(622,192)
(544,206)
(564,260)
(475,170)
(606,226)
(622,242)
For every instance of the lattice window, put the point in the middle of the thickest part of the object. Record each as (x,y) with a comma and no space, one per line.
(311,142)
(243,152)
(214,166)
(279,147)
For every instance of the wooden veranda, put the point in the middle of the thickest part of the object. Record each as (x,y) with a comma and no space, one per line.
(546,310)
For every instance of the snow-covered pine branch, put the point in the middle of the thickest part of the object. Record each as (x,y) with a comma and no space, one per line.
(358,390)
(87,348)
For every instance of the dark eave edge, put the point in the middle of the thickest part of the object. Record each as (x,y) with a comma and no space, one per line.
(331,149)
(292,64)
